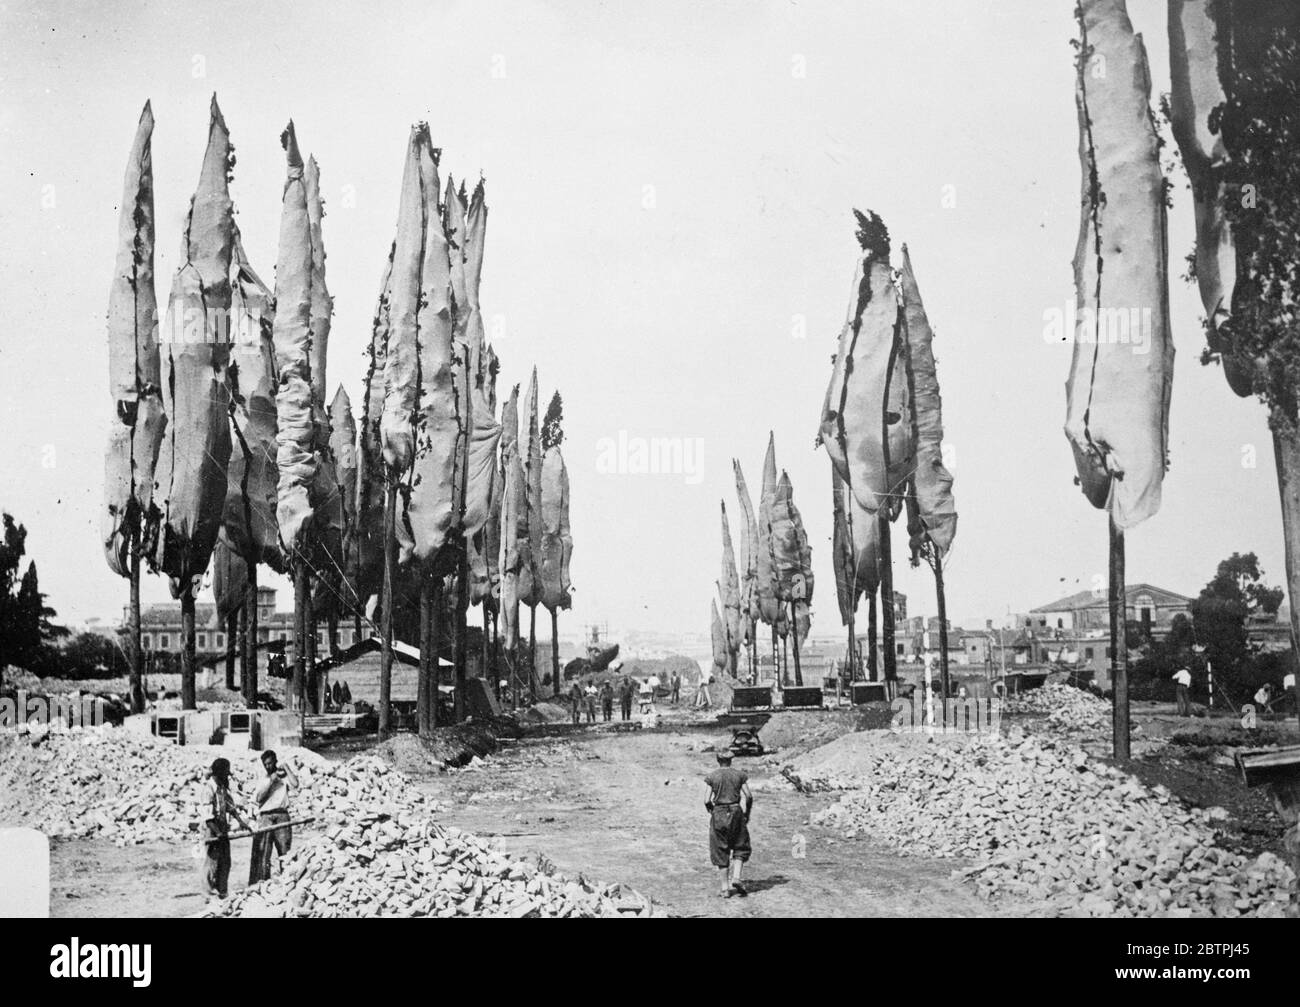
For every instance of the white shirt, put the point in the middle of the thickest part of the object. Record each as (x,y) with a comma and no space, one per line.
(1288,682)
(1261,697)
(1183,677)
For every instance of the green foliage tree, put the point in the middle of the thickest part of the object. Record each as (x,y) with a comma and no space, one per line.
(552,423)
(1236,592)
(25,625)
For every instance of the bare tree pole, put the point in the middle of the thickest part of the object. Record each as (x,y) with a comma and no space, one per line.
(386,651)
(873,655)
(890,654)
(423,677)
(555,653)
(300,588)
(248,670)
(460,640)
(133,649)
(232,646)
(309,634)
(794,632)
(1119,644)
(936,564)
(436,612)
(188,701)
(532,651)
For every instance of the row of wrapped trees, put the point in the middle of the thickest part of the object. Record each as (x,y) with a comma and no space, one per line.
(882,427)
(773,583)
(225,454)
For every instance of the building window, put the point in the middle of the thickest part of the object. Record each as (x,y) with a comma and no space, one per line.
(203,641)
(1042,623)
(164,641)
(221,641)
(1087,653)
(1109,653)
(1029,623)
(1060,624)
(284,636)
(146,641)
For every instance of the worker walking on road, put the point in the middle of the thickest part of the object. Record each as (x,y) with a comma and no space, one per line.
(273,815)
(220,809)
(1183,682)
(729,846)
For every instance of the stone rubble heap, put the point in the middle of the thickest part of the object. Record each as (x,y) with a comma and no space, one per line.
(1047,825)
(106,783)
(1067,708)
(406,866)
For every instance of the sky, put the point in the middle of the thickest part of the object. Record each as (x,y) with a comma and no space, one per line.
(670,242)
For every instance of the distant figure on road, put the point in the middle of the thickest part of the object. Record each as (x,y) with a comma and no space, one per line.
(729,846)
(646,698)
(607,700)
(1183,682)
(677,687)
(702,698)
(575,703)
(625,693)
(589,695)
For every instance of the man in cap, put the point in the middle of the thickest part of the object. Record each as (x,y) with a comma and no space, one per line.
(220,808)
(728,822)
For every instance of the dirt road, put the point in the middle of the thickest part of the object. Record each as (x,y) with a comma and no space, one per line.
(630,808)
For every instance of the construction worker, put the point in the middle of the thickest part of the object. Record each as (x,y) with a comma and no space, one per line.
(607,700)
(589,695)
(677,687)
(1288,686)
(729,845)
(702,698)
(1183,682)
(220,809)
(272,798)
(575,703)
(625,693)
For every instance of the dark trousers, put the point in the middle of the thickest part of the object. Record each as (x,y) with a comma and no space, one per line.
(607,708)
(728,835)
(577,714)
(216,863)
(279,841)
(1184,702)
(626,709)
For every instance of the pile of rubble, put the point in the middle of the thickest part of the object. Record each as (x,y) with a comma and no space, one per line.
(107,783)
(1067,708)
(1049,825)
(406,865)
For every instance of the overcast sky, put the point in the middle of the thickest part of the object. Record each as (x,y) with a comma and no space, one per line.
(670,241)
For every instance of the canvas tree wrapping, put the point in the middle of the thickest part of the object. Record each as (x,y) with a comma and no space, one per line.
(867,396)
(933,512)
(748,572)
(766,586)
(190,486)
(133,362)
(557,542)
(729,591)
(718,634)
(296,456)
(368,536)
(514,529)
(1117,395)
(137,427)
(792,556)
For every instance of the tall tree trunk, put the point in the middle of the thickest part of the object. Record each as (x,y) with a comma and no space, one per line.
(532,652)
(242,643)
(386,649)
(301,585)
(1286,453)
(188,701)
(437,609)
(461,638)
(332,631)
(133,650)
(873,648)
(424,677)
(776,660)
(943,627)
(232,646)
(310,633)
(483,646)
(854,671)
(555,653)
(890,650)
(496,656)
(248,670)
(785,661)
(1119,644)
(794,633)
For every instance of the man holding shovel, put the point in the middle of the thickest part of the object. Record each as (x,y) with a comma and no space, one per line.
(274,831)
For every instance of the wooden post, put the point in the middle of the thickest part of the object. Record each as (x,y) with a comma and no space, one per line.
(301,585)
(1119,644)
(133,650)
(436,611)
(555,653)
(248,670)
(232,646)
(855,671)
(496,656)
(424,678)
(794,632)
(785,659)
(532,652)
(943,626)
(888,646)
(776,660)
(873,648)
(483,671)
(460,641)
(309,639)
(386,649)
(188,701)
